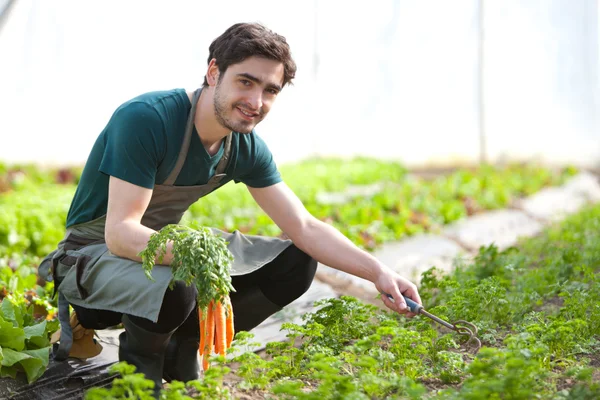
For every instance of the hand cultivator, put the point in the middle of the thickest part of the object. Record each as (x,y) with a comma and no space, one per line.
(463,328)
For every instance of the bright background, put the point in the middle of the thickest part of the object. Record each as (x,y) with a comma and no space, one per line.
(418,81)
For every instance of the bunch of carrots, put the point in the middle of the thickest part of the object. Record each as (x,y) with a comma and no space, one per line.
(216,329)
(201,258)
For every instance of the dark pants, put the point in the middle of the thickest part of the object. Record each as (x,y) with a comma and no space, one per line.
(282,281)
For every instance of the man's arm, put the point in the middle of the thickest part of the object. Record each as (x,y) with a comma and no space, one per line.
(327,245)
(125,235)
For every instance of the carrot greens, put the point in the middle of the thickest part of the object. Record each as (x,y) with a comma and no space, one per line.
(203,259)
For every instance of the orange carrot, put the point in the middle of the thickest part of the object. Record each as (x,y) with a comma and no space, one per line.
(202,319)
(230,332)
(220,340)
(210,335)
(205,363)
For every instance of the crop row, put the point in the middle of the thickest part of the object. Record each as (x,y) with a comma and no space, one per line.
(33,210)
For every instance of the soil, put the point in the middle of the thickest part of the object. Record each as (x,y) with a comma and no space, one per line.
(568,382)
(595,363)
(551,306)
(434,384)
(230,383)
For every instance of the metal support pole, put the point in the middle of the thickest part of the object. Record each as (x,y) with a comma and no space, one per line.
(481,85)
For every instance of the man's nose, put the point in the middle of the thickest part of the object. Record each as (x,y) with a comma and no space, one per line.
(256,100)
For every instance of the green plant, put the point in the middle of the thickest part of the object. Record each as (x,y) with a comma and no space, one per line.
(24,343)
(130,385)
(497,374)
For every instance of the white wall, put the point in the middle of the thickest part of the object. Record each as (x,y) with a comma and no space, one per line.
(542,80)
(395,79)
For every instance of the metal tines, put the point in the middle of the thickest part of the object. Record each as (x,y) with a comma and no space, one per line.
(466,328)
(463,328)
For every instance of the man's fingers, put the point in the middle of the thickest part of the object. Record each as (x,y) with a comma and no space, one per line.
(413,294)
(391,304)
(388,303)
(398,302)
(401,304)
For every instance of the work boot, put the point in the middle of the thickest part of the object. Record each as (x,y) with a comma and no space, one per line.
(181,358)
(84,345)
(145,350)
(250,308)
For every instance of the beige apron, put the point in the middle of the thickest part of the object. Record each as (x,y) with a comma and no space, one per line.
(90,276)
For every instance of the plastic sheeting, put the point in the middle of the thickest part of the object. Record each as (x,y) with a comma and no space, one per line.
(67,379)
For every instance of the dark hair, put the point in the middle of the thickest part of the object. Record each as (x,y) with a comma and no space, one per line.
(245,40)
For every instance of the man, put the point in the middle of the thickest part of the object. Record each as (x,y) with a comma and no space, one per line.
(158,154)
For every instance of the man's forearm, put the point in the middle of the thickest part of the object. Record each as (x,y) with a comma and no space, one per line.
(330,247)
(128,239)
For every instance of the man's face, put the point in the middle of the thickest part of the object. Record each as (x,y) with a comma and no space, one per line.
(245,93)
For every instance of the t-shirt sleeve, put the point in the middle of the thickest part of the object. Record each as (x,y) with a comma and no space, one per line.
(134,145)
(264,170)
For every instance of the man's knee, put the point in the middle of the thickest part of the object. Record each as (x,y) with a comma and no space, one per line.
(177,305)
(289,276)
(91,318)
(306,270)
(178,302)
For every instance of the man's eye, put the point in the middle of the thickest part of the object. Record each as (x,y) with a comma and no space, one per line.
(273,91)
(245,82)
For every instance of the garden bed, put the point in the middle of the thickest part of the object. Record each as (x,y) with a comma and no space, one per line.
(348,348)
(538,312)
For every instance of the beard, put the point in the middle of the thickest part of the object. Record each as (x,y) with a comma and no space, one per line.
(224,116)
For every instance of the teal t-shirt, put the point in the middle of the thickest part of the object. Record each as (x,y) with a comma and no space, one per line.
(141,143)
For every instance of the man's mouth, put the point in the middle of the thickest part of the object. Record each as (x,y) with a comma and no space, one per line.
(249,115)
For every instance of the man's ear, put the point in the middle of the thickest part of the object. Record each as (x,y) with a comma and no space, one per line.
(212,74)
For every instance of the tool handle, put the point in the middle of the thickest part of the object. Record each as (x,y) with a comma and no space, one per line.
(414,307)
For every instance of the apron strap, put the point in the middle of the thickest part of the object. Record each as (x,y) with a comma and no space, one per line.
(187,137)
(61,350)
(215,181)
(225,157)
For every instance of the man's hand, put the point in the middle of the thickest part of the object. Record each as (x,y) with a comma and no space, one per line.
(390,282)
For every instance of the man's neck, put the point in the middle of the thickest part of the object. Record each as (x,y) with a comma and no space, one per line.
(210,131)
